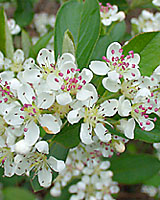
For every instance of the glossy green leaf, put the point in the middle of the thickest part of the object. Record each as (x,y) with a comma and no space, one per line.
(69,136)
(155,180)
(148,46)
(35,184)
(113,33)
(83,21)
(134,169)
(41,43)
(68,18)
(11,193)
(24,12)
(6,43)
(26,43)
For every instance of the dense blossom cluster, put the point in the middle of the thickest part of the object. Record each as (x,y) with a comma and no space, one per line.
(44,92)
(42,96)
(94,177)
(146,22)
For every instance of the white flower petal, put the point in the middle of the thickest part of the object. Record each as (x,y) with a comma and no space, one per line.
(67,67)
(25,94)
(112,86)
(9,167)
(45,177)
(54,82)
(109,107)
(32,134)
(18,56)
(45,57)
(115,46)
(22,147)
(50,122)
(32,76)
(42,147)
(99,68)
(65,58)
(101,133)
(124,107)
(56,165)
(86,134)
(74,116)
(64,98)
(86,74)
(45,100)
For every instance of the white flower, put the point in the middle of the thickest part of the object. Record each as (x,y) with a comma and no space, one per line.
(110,14)
(40,164)
(63,77)
(30,113)
(94,118)
(116,67)
(13,27)
(41,21)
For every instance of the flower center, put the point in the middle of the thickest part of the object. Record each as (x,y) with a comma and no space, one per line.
(92,116)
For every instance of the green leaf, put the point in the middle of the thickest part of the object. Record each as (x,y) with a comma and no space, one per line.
(68,18)
(114,33)
(155,181)
(148,46)
(41,43)
(26,43)
(83,21)
(11,193)
(68,43)
(69,136)
(6,43)
(59,151)
(24,12)
(134,169)
(88,32)
(35,184)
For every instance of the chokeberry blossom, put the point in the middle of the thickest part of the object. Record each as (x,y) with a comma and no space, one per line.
(110,14)
(39,163)
(13,27)
(94,117)
(116,66)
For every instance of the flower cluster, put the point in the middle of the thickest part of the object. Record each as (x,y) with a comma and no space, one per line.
(146,22)
(95,181)
(110,14)
(47,94)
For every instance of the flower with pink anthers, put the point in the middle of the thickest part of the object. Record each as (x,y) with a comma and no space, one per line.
(63,77)
(116,66)
(30,111)
(110,14)
(141,110)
